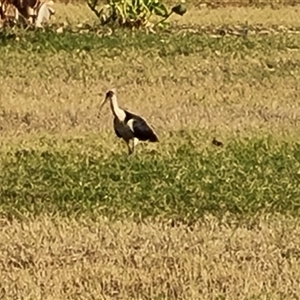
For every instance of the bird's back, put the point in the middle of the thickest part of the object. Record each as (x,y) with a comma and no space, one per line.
(141,129)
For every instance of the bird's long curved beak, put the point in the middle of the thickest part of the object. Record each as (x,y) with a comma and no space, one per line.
(101,106)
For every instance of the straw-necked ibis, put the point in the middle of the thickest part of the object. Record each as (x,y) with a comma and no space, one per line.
(128,126)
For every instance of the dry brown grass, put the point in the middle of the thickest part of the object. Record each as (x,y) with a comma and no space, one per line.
(56,103)
(67,259)
(58,93)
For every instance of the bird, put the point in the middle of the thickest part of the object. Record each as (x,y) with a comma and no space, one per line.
(127,125)
(217,143)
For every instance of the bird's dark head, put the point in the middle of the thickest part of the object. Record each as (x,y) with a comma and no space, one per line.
(108,97)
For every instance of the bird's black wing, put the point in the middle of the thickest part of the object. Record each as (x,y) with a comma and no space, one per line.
(141,129)
(116,131)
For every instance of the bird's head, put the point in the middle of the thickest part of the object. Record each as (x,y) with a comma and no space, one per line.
(109,96)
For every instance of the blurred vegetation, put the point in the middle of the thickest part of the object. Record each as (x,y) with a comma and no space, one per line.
(218,3)
(134,13)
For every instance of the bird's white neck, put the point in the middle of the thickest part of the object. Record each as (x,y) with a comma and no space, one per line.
(116,110)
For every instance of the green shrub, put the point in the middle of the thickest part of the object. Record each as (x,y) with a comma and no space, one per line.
(134,13)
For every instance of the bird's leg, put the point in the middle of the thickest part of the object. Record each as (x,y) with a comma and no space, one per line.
(135,141)
(130,151)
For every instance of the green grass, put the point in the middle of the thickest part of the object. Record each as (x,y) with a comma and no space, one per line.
(231,83)
(163,44)
(86,56)
(246,177)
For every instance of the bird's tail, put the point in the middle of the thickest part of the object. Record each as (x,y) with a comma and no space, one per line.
(154,138)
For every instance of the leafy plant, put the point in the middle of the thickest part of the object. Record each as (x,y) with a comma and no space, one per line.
(134,13)
(244,178)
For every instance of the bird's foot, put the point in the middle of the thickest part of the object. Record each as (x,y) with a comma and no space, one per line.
(129,150)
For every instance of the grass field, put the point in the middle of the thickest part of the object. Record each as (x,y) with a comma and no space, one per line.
(182,219)
(51,258)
